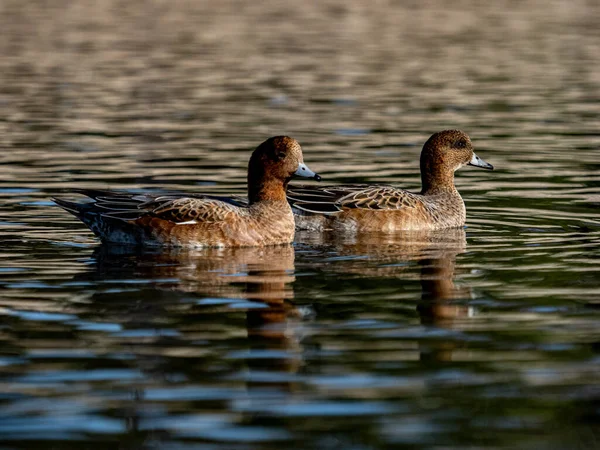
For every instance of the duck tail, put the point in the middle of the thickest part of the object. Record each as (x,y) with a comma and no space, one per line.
(77,209)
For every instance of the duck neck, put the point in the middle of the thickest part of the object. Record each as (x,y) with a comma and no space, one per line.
(436,180)
(262,188)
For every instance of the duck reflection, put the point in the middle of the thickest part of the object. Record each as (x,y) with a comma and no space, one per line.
(255,280)
(432,253)
(185,289)
(440,297)
(261,279)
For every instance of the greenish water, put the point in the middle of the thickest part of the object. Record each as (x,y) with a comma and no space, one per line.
(487,337)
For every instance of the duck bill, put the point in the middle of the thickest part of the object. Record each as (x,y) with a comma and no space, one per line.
(478,162)
(304,171)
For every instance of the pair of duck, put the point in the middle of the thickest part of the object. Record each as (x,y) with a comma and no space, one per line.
(273,210)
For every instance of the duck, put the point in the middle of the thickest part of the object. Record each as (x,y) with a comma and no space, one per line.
(182,220)
(365,208)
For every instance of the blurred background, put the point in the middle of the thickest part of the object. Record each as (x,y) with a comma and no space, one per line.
(487,337)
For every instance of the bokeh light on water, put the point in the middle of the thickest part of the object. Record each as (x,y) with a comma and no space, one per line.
(483,338)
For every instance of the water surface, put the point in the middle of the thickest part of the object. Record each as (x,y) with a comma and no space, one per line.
(486,337)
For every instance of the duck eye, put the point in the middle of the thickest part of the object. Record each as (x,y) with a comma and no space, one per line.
(279,155)
(460,144)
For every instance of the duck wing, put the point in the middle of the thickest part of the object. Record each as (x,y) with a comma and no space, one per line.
(334,199)
(171,207)
(191,210)
(378,198)
(320,199)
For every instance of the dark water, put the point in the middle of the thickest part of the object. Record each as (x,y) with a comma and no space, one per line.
(482,338)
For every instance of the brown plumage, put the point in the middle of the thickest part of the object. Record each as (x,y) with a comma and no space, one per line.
(386,208)
(203,220)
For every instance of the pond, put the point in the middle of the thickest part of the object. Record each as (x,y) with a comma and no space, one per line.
(483,337)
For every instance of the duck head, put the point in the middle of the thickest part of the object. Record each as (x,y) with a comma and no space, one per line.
(442,155)
(272,165)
